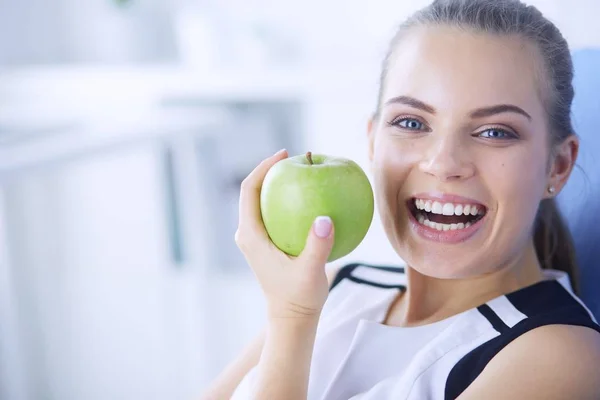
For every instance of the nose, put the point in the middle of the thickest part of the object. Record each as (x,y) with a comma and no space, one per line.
(446,159)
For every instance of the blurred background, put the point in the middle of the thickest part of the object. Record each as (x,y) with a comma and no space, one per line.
(126,127)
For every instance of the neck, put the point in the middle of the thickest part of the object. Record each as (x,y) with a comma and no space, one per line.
(429,300)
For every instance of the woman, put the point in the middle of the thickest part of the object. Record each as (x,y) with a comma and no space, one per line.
(470,143)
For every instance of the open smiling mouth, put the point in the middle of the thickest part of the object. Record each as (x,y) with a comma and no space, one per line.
(445,216)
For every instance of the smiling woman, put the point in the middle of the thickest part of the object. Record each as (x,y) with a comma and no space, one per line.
(477,119)
(470,142)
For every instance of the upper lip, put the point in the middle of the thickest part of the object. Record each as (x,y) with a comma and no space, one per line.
(447,198)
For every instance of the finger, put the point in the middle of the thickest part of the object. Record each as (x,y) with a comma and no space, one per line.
(249,206)
(319,243)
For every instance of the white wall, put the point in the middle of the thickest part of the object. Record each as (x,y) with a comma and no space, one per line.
(12,368)
(577,20)
(88,31)
(46,31)
(30,31)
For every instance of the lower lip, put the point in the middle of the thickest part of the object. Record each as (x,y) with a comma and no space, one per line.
(455,236)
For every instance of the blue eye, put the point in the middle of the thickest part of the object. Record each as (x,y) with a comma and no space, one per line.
(496,133)
(409,123)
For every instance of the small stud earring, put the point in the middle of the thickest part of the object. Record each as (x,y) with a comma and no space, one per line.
(551,190)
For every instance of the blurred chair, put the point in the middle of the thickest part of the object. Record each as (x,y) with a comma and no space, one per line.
(580,199)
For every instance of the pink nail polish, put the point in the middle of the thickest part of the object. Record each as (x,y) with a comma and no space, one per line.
(322,226)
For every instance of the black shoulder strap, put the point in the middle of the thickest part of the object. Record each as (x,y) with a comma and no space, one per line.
(547,303)
(346,273)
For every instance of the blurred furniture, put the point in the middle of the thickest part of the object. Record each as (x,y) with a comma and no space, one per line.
(102,243)
(580,200)
(119,274)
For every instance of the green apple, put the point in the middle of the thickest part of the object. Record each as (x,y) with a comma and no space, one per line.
(298,189)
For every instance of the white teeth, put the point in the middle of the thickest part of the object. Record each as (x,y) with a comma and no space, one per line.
(427,206)
(448,209)
(437,207)
(441,227)
(418,204)
(458,209)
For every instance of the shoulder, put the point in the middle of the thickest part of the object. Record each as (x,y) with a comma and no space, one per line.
(537,318)
(546,340)
(549,362)
(380,276)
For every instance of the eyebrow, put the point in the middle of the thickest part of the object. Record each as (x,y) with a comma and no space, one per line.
(412,102)
(499,109)
(478,113)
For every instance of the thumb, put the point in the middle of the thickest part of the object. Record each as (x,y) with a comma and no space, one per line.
(319,242)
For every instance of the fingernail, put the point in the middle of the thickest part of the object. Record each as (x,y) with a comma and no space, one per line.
(322,226)
(279,152)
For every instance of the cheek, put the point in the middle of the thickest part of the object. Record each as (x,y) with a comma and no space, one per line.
(517,182)
(392,161)
(391,166)
(397,154)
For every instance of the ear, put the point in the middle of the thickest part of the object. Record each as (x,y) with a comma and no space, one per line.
(564,158)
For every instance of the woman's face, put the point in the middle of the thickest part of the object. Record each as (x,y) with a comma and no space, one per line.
(461,130)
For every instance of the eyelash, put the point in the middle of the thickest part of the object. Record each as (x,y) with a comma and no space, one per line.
(396,122)
(507,133)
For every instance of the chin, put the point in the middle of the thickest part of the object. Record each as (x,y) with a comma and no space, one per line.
(446,269)
(440,263)
(442,235)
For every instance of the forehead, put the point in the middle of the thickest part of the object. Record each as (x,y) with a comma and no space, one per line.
(448,68)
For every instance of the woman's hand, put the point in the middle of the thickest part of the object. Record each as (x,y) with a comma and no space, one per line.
(294,287)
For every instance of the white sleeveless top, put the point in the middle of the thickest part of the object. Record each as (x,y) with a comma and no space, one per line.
(356,356)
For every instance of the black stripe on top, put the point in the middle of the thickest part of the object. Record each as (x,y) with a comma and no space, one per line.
(494,319)
(544,303)
(346,273)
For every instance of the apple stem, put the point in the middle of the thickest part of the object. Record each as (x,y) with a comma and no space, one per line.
(309,158)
